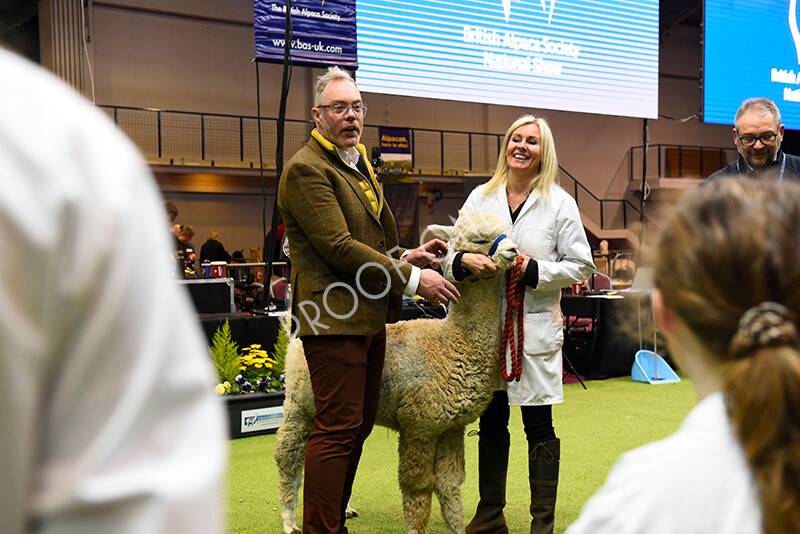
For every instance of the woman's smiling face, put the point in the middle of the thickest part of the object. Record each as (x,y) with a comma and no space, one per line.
(524,151)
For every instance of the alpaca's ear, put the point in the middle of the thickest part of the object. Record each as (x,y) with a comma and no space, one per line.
(437,231)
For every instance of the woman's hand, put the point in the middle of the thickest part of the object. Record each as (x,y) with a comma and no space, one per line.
(478,264)
(524,265)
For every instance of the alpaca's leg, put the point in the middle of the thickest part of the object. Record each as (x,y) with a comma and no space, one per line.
(290,455)
(415,474)
(449,472)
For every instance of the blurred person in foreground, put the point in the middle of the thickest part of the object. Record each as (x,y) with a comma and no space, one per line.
(348,277)
(109,421)
(727,300)
(757,134)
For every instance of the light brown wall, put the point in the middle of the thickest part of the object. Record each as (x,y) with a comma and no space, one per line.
(196,55)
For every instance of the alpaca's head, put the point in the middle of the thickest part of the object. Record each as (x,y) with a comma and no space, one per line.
(481,233)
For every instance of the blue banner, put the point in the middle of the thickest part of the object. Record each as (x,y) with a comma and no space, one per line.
(395,140)
(397,161)
(324,32)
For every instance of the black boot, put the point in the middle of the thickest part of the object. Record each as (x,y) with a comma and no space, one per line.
(543,460)
(492,470)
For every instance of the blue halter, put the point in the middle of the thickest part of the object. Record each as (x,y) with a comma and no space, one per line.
(496,243)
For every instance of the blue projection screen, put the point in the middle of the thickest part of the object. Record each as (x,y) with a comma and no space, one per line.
(572,55)
(751,49)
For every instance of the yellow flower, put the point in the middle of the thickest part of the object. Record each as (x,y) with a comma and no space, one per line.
(220,389)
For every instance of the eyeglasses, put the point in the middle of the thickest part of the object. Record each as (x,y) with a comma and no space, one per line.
(341,109)
(750,140)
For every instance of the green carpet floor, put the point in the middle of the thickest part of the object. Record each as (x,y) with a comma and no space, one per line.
(595,427)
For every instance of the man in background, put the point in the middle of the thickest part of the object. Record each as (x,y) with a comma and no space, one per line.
(109,421)
(757,134)
(172,211)
(347,280)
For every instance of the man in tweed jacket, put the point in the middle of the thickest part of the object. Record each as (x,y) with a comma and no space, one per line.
(348,278)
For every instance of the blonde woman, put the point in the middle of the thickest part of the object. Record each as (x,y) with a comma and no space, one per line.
(545,223)
(213,249)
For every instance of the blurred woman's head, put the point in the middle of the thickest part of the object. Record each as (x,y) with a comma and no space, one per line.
(728,273)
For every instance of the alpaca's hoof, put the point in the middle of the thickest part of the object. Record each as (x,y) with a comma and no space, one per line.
(349,513)
(291,528)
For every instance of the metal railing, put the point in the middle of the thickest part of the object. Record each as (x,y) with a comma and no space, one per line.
(221,140)
(218,140)
(679,161)
(609,213)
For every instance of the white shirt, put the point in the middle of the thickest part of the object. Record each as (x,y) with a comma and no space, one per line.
(696,481)
(551,232)
(109,421)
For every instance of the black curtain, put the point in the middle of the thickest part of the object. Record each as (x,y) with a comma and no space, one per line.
(404,201)
(791,142)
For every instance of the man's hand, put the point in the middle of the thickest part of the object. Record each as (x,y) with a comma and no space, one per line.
(433,287)
(427,254)
(478,264)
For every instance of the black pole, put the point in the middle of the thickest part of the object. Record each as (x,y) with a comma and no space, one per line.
(271,246)
(645,141)
(261,165)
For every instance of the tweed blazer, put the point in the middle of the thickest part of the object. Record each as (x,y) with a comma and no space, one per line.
(343,279)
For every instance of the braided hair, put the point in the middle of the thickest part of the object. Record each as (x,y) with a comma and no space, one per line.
(729,266)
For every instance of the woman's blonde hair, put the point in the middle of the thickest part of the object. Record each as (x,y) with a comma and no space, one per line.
(548,168)
(729,266)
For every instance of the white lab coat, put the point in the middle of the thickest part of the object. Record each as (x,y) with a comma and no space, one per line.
(108,420)
(551,232)
(696,481)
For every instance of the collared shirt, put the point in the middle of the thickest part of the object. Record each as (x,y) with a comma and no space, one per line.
(371,189)
(696,481)
(368,181)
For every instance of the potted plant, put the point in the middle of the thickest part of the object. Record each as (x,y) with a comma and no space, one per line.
(251,382)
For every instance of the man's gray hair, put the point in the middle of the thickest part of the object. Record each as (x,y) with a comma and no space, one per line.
(333,74)
(758,105)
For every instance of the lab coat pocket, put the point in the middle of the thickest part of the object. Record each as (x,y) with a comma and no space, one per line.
(537,242)
(543,333)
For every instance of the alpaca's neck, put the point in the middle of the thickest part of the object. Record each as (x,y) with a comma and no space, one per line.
(478,310)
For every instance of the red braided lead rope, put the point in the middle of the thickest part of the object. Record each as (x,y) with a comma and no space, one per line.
(515,298)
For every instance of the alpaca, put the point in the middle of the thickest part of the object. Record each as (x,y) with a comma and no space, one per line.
(438,376)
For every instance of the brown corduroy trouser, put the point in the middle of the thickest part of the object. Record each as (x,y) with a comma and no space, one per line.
(346,380)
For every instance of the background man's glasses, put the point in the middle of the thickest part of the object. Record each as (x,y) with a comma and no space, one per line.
(750,140)
(341,109)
